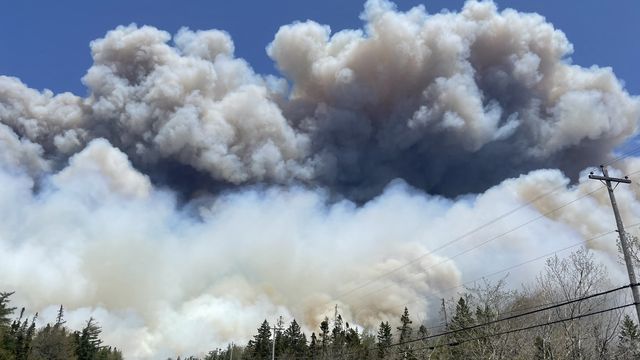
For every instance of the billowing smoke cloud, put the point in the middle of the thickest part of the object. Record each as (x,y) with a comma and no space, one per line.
(452,103)
(381,144)
(443,99)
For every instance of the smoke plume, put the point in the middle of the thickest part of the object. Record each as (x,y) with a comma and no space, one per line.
(186,187)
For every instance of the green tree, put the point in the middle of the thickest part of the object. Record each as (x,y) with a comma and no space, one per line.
(60,321)
(324,335)
(462,319)
(404,335)
(628,340)
(88,341)
(52,343)
(337,336)
(385,339)
(5,310)
(295,342)
(7,328)
(314,347)
(108,353)
(405,327)
(260,346)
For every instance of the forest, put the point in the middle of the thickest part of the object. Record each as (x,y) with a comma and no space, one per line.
(21,340)
(572,310)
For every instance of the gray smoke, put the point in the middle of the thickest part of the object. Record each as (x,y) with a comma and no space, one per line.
(185,187)
(452,103)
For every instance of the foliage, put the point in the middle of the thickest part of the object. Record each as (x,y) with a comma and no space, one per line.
(21,340)
(475,317)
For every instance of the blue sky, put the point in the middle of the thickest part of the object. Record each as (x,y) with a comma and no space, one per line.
(46,43)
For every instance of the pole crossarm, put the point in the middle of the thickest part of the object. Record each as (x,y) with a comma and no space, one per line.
(612,179)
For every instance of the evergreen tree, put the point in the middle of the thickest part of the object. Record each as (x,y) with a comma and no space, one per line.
(423,332)
(60,317)
(295,342)
(88,341)
(351,337)
(385,339)
(405,326)
(314,348)
(423,342)
(5,310)
(337,336)
(21,334)
(405,334)
(462,319)
(261,345)
(324,335)
(353,342)
(108,353)
(629,340)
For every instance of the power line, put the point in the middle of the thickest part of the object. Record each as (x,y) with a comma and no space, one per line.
(560,304)
(540,257)
(468,233)
(484,225)
(544,215)
(571,318)
(521,309)
(622,156)
(564,303)
(458,238)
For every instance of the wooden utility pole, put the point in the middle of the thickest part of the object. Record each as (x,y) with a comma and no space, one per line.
(623,236)
(273,347)
(444,313)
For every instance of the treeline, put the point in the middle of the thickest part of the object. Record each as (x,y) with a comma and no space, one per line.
(20,339)
(485,322)
(571,311)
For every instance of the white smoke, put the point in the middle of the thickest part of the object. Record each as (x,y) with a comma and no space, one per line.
(382,115)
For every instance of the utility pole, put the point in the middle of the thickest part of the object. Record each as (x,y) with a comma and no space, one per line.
(623,236)
(444,312)
(231,352)
(273,346)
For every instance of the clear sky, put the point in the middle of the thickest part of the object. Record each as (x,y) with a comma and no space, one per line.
(46,43)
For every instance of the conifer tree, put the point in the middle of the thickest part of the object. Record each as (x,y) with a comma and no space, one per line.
(313,347)
(295,342)
(384,339)
(405,333)
(405,326)
(337,336)
(324,335)
(5,310)
(462,319)
(88,340)
(261,345)
(629,340)
(60,317)
(423,332)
